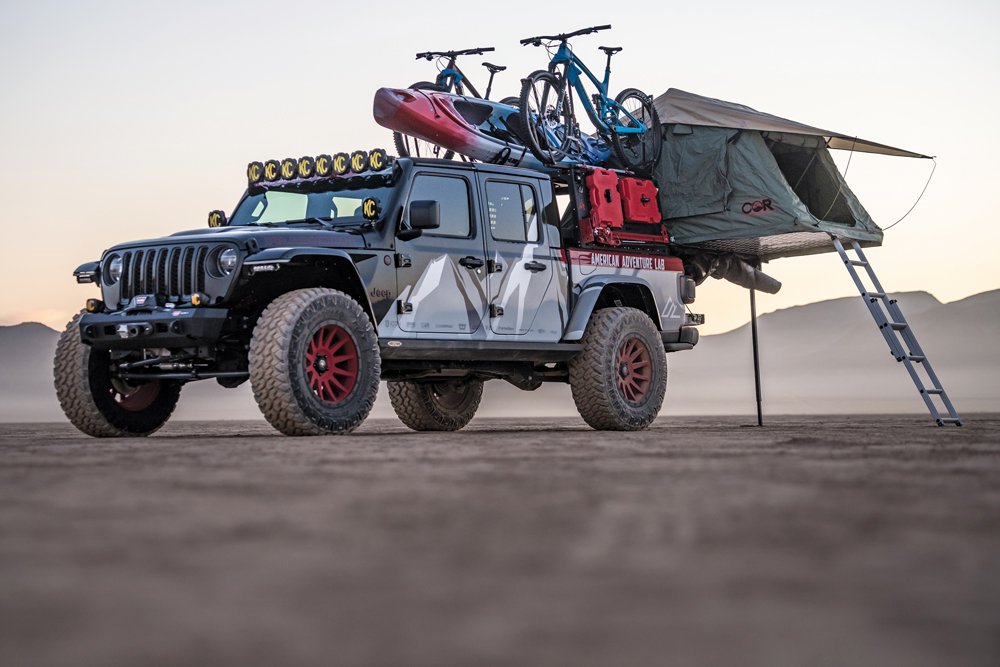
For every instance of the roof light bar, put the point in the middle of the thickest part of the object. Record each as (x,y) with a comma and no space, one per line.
(321,166)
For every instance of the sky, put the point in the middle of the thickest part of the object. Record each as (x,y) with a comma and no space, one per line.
(129,120)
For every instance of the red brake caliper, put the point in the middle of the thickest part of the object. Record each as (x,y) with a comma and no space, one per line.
(332,363)
(634,370)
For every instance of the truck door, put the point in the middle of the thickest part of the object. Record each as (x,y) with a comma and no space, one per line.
(520,261)
(441,275)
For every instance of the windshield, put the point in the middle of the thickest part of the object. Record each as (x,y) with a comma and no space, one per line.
(282,206)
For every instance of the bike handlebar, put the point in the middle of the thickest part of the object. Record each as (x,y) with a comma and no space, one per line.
(536,41)
(430,55)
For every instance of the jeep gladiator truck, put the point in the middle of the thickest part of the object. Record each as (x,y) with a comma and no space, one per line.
(334,273)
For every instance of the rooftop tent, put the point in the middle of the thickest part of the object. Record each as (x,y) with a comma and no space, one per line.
(737,180)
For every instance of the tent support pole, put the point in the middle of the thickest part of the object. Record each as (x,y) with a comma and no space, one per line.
(756,354)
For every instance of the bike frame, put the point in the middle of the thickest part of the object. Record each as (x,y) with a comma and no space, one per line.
(573,67)
(452,78)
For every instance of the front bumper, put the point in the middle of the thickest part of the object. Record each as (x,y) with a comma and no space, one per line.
(169,328)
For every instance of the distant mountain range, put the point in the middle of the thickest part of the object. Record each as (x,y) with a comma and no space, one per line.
(826,357)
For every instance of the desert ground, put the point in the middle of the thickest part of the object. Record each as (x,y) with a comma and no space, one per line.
(812,541)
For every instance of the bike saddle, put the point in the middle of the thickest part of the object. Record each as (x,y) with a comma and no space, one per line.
(610,50)
(494,68)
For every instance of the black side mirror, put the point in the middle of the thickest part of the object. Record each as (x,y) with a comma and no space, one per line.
(424,214)
(217,219)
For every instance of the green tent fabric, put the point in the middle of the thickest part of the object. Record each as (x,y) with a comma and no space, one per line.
(735,180)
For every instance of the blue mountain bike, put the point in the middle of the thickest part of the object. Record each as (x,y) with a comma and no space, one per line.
(450,79)
(628,122)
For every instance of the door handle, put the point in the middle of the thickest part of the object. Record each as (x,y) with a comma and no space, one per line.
(534,267)
(471,262)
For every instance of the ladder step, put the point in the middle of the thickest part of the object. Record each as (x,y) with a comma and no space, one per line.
(889,316)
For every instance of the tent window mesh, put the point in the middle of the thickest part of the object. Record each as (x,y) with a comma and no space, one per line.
(809,177)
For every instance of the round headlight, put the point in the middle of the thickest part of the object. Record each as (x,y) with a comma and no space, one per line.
(227,261)
(115,268)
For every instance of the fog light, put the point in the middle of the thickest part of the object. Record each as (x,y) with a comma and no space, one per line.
(324,165)
(359,162)
(255,172)
(307,167)
(271,169)
(289,166)
(341,164)
(199,299)
(378,159)
(94,305)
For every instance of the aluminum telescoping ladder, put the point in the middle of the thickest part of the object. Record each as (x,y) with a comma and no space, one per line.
(899,335)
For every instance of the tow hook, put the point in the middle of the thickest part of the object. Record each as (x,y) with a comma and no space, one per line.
(133,330)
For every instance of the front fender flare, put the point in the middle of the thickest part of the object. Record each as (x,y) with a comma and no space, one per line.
(296,256)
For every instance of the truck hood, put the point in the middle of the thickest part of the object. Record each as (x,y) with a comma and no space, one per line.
(263,237)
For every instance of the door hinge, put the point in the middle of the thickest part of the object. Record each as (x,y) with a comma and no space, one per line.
(493,266)
(403,261)
(403,307)
(495,310)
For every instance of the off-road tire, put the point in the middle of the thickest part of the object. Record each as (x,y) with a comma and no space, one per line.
(279,374)
(436,406)
(88,398)
(594,374)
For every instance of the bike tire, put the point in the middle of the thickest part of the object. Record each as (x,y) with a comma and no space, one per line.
(407,146)
(545,113)
(638,152)
(511,101)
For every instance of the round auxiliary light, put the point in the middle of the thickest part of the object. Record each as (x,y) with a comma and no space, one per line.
(307,167)
(255,172)
(216,219)
(378,159)
(115,265)
(289,167)
(341,163)
(271,170)
(324,165)
(359,161)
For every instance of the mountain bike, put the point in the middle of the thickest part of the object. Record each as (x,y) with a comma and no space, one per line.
(628,122)
(450,79)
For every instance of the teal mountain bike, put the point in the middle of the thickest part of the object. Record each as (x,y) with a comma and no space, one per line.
(450,79)
(628,122)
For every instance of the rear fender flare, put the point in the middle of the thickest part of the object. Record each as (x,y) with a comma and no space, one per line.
(590,296)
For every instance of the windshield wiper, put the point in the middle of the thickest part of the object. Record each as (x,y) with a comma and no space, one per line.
(326,222)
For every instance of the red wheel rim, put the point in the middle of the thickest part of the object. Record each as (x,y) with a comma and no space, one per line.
(634,370)
(331,363)
(135,399)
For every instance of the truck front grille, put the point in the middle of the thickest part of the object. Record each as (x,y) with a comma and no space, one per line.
(173,271)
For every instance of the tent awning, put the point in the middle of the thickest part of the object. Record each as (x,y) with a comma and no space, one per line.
(683,108)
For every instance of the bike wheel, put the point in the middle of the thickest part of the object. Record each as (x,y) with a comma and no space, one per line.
(407,146)
(638,152)
(511,101)
(546,116)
